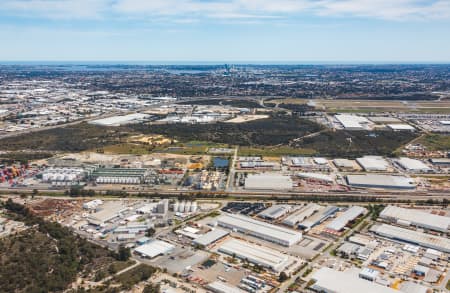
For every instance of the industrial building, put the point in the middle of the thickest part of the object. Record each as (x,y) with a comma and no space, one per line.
(412,237)
(109,211)
(373,163)
(93,204)
(323,214)
(260,229)
(316,177)
(353,122)
(210,237)
(331,281)
(307,163)
(275,212)
(440,162)
(401,127)
(413,165)
(344,164)
(119,175)
(348,216)
(122,120)
(64,174)
(416,218)
(301,214)
(268,181)
(221,287)
(381,181)
(154,248)
(256,254)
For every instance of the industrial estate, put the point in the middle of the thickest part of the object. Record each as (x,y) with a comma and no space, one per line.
(278,185)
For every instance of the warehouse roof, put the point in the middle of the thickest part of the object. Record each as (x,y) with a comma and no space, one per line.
(412,164)
(268,181)
(381,181)
(316,176)
(121,120)
(154,248)
(302,214)
(370,163)
(261,255)
(345,282)
(351,121)
(221,287)
(417,218)
(414,237)
(260,227)
(276,211)
(401,127)
(349,215)
(211,237)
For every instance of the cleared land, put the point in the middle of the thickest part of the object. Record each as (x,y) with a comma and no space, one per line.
(435,142)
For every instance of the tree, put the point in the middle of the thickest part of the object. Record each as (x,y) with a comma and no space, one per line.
(283,277)
(150,232)
(152,288)
(124,253)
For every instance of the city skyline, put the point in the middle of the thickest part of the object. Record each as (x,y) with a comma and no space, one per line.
(238,31)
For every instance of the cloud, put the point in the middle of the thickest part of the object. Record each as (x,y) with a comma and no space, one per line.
(195,10)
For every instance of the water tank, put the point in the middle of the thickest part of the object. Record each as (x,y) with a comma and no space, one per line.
(187,207)
(181,207)
(175,206)
(194,207)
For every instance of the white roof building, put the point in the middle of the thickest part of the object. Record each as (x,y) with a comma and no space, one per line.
(221,287)
(211,237)
(301,214)
(331,281)
(401,127)
(373,163)
(268,181)
(256,254)
(413,165)
(380,181)
(412,237)
(154,248)
(275,211)
(417,218)
(263,230)
(349,215)
(352,122)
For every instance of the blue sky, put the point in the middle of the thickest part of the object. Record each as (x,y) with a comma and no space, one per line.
(220,30)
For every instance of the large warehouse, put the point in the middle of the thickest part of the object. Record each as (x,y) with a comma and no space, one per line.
(301,214)
(381,181)
(331,281)
(352,122)
(210,237)
(323,214)
(256,254)
(373,163)
(276,211)
(260,229)
(417,218)
(413,165)
(268,181)
(154,249)
(412,237)
(349,215)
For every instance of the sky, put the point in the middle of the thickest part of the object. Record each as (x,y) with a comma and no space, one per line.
(225,30)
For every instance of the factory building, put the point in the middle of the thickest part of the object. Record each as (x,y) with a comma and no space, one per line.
(373,163)
(441,162)
(413,165)
(331,281)
(348,216)
(64,174)
(210,237)
(163,206)
(268,181)
(221,287)
(401,127)
(307,163)
(323,214)
(412,237)
(154,248)
(260,229)
(316,177)
(93,204)
(301,214)
(119,175)
(256,254)
(344,164)
(109,211)
(416,218)
(353,122)
(275,212)
(381,181)
(122,120)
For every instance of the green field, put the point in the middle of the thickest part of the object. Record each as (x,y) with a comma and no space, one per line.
(435,142)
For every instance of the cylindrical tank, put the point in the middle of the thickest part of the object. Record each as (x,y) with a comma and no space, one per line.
(175,206)
(187,207)
(181,207)
(194,207)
